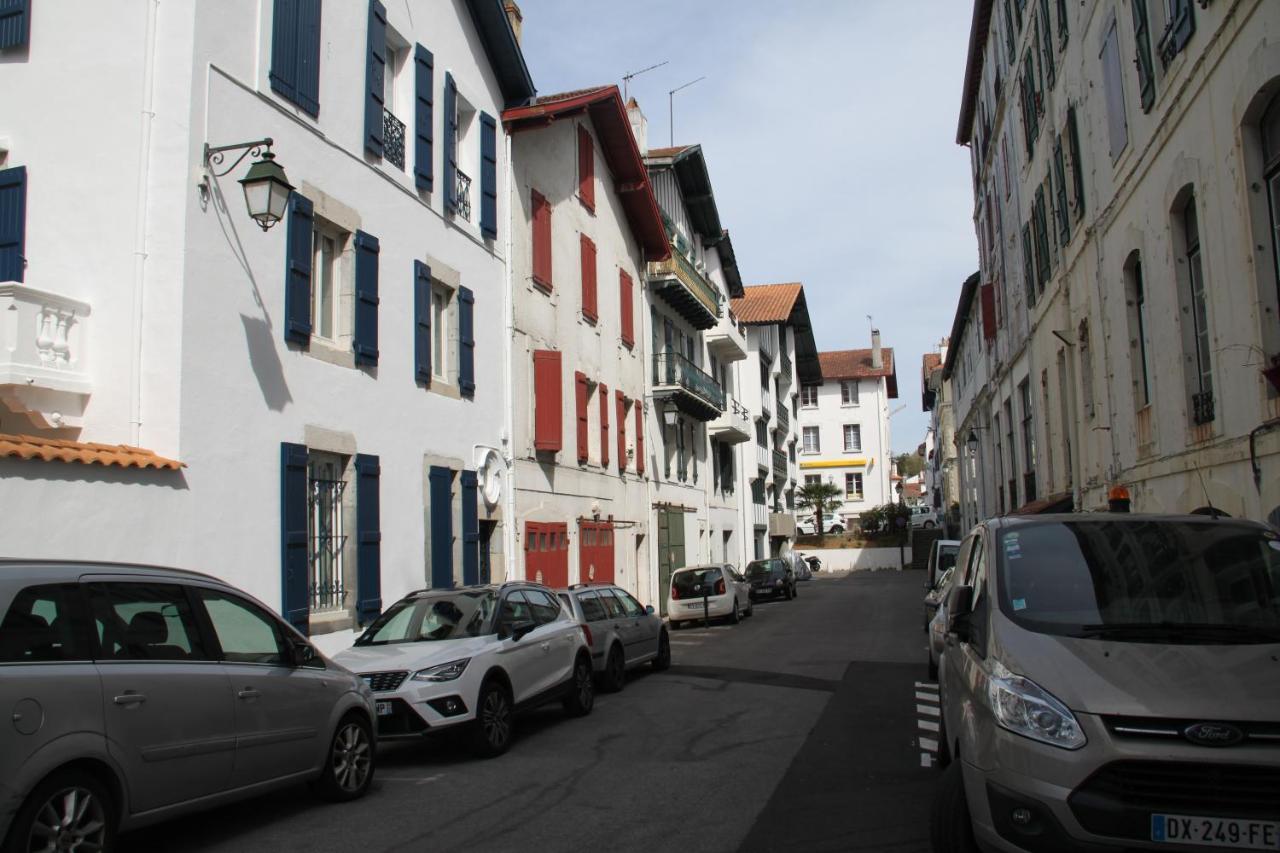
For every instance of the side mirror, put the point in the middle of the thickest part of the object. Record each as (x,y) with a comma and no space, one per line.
(648,608)
(303,653)
(959,607)
(520,630)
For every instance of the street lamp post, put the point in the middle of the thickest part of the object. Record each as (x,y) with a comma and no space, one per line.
(900,522)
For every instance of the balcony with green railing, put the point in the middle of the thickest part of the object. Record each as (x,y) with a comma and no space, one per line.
(692,389)
(685,289)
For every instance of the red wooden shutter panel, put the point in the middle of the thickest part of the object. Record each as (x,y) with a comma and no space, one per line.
(580,386)
(603,392)
(589,279)
(586,170)
(624,295)
(541,209)
(548,404)
(989,312)
(622,431)
(639,407)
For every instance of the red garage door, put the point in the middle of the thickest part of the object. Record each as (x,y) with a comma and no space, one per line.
(546,553)
(595,552)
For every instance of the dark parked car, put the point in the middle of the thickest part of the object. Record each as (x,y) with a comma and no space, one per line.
(771,578)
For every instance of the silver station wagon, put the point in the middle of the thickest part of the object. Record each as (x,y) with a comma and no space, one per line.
(136,694)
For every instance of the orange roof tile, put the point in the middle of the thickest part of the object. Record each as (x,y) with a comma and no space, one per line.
(566,96)
(87,453)
(660,153)
(932,361)
(854,364)
(767,303)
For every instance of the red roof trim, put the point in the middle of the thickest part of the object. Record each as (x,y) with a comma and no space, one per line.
(613,132)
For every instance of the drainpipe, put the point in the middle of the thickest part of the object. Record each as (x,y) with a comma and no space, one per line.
(508,386)
(140,231)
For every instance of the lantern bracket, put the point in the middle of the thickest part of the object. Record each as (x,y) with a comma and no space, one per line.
(214,156)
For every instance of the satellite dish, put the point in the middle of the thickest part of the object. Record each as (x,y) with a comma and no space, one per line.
(490,474)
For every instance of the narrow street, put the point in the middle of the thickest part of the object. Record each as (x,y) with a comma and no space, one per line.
(799,729)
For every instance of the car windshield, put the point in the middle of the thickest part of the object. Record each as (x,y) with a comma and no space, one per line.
(688,582)
(435,616)
(762,569)
(1143,580)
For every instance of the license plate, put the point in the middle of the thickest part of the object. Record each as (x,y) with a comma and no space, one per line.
(697,606)
(1216,832)
(384,709)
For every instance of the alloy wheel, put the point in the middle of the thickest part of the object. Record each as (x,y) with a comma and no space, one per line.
(495,718)
(582,677)
(71,819)
(352,757)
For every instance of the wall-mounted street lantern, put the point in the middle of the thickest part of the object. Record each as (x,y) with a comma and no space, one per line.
(670,415)
(266,189)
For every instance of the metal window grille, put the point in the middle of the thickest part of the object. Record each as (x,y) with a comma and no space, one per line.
(392,139)
(327,539)
(463,193)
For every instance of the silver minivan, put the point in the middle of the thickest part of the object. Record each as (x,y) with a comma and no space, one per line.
(1111,681)
(136,694)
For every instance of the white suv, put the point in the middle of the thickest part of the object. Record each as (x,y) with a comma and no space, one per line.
(469,659)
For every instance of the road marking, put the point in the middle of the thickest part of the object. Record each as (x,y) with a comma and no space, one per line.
(927,697)
(927,726)
(928,685)
(416,780)
(926,760)
(928,710)
(929,744)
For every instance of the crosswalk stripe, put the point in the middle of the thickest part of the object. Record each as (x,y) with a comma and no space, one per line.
(928,710)
(929,685)
(927,697)
(926,760)
(927,726)
(929,744)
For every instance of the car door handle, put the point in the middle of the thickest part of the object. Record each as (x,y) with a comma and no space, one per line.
(249,693)
(129,697)
(545,646)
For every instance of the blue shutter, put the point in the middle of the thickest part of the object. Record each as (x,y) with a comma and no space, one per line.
(422,322)
(441,496)
(13,223)
(488,176)
(423,117)
(15,22)
(368,540)
(466,343)
(375,68)
(450,144)
(284,48)
(1184,26)
(307,78)
(293,535)
(297,282)
(366,325)
(470,530)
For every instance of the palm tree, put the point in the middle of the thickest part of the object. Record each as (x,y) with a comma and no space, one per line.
(823,498)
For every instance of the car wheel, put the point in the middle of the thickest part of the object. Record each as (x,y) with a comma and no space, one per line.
(837,530)
(69,810)
(494,726)
(795,590)
(348,770)
(735,615)
(929,524)
(663,660)
(615,671)
(751,607)
(582,696)
(950,829)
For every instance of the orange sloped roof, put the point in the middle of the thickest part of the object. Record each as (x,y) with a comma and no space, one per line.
(767,303)
(86,453)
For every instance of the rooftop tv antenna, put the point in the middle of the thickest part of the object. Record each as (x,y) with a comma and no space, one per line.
(626,78)
(671,106)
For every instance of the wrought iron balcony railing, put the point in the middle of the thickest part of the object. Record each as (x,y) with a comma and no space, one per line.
(779,465)
(785,361)
(1202,408)
(462,192)
(392,139)
(784,420)
(672,368)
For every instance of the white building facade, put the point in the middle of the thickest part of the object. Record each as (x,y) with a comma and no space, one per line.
(844,427)
(333,389)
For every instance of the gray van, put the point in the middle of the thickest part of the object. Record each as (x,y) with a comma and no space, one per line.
(1109,682)
(135,694)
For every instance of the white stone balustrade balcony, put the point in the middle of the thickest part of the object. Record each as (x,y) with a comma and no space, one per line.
(42,356)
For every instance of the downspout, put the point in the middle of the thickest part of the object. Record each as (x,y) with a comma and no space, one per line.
(140,231)
(508,386)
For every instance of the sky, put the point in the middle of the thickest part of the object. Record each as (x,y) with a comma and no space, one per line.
(829,130)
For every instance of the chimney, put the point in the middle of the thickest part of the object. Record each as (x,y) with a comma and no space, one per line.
(877,359)
(513,17)
(639,125)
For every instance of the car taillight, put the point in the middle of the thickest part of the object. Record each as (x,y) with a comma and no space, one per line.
(720,587)
(586,632)
(675,593)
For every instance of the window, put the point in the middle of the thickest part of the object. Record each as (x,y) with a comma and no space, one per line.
(295,53)
(43,624)
(245,633)
(441,296)
(852,438)
(143,621)
(1196,344)
(627,302)
(540,210)
(329,542)
(1040,220)
(1028,265)
(1270,126)
(394,106)
(1060,192)
(853,486)
(592,609)
(849,392)
(1077,165)
(1086,368)
(589,279)
(513,611)
(809,396)
(811,439)
(812,479)
(1113,83)
(586,169)
(328,244)
(548,426)
(1028,429)
(546,607)
(1137,304)
(1142,55)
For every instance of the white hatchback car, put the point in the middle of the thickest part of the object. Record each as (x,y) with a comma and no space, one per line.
(714,591)
(470,659)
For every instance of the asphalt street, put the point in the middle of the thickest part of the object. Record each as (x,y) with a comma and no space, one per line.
(805,728)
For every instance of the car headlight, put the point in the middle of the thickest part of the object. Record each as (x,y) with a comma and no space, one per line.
(778,582)
(1023,707)
(443,672)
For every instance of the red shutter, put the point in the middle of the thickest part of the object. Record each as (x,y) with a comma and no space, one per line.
(624,295)
(622,430)
(541,209)
(580,386)
(589,279)
(603,391)
(548,405)
(639,407)
(586,170)
(989,311)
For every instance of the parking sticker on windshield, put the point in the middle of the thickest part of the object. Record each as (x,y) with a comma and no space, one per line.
(1019,604)
(1012,549)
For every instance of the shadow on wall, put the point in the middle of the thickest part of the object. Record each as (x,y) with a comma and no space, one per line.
(36,470)
(265,361)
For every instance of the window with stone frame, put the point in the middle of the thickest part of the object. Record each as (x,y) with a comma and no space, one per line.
(330,529)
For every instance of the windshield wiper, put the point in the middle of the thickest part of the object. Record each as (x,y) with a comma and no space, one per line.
(1180,631)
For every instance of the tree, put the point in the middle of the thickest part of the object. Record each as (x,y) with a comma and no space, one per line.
(823,498)
(909,464)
